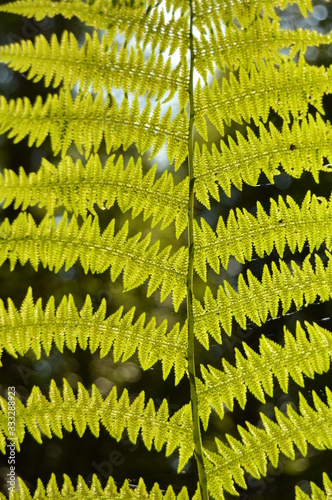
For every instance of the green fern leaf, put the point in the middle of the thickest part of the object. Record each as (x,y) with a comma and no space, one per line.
(91,121)
(255,373)
(148,24)
(244,12)
(299,148)
(285,225)
(33,328)
(316,492)
(266,87)
(95,491)
(171,80)
(268,443)
(54,246)
(41,417)
(300,286)
(96,63)
(236,47)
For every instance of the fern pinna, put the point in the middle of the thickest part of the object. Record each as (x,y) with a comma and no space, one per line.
(224,92)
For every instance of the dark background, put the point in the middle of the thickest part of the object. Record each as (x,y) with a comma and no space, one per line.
(104,456)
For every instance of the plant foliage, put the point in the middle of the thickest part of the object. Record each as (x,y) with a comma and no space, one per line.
(167,58)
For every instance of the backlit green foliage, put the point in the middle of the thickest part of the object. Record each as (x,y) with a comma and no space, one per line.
(163,103)
(317,493)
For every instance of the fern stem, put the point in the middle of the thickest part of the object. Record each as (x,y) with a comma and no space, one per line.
(190,278)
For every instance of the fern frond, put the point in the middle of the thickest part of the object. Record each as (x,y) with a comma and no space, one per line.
(316,492)
(304,355)
(259,298)
(41,416)
(41,8)
(288,89)
(209,14)
(34,328)
(95,491)
(142,19)
(85,122)
(229,464)
(132,47)
(60,245)
(78,187)
(97,65)
(234,47)
(290,225)
(298,148)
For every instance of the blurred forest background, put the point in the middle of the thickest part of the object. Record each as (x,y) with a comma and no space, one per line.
(104,456)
